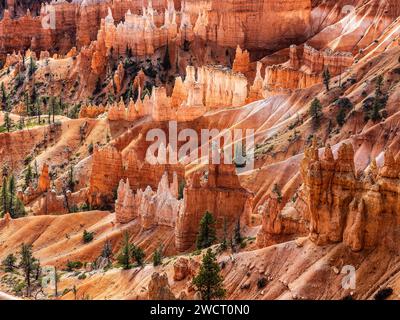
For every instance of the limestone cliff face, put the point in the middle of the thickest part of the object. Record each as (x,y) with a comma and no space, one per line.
(75,23)
(213,88)
(109,166)
(304,69)
(231,23)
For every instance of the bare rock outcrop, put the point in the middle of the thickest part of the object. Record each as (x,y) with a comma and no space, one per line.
(222,195)
(159,288)
(181,269)
(153,208)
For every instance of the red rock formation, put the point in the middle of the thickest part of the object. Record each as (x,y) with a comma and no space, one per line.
(341,206)
(181,269)
(109,167)
(91,111)
(106,174)
(242,61)
(159,288)
(232,23)
(152,208)
(44,179)
(222,187)
(215,86)
(304,69)
(256,90)
(63,24)
(125,206)
(118,78)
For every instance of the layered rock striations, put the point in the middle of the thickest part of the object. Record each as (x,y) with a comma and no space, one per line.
(222,195)
(304,69)
(337,204)
(60,25)
(110,165)
(231,23)
(213,87)
(153,208)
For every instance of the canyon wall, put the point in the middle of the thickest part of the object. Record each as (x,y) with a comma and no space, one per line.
(231,23)
(304,69)
(109,166)
(60,25)
(204,89)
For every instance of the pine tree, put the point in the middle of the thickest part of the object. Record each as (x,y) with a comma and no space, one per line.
(9,263)
(157,256)
(341,117)
(316,112)
(380,101)
(378,86)
(209,281)
(7,121)
(124,258)
(327,78)
(11,192)
(27,104)
(53,107)
(36,171)
(167,61)
(181,188)
(4,104)
(71,182)
(21,123)
(28,176)
(19,209)
(207,233)
(87,236)
(29,265)
(278,192)
(137,254)
(4,197)
(32,67)
(38,111)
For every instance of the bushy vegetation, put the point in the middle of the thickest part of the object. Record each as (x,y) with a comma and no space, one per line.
(316,112)
(383,294)
(374,107)
(157,256)
(344,105)
(87,236)
(207,233)
(208,281)
(73,265)
(9,202)
(129,252)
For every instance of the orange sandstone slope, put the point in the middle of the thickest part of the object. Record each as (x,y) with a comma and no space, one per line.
(320,200)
